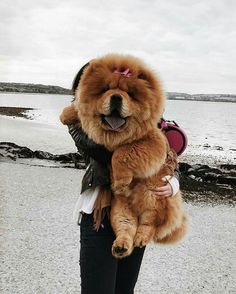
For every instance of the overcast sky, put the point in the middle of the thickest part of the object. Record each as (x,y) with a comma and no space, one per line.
(190,43)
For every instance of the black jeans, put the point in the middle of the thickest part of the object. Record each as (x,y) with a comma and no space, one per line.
(101,273)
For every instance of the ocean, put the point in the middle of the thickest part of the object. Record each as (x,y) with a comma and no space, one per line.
(210,126)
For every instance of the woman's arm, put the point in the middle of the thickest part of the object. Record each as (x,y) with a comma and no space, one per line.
(87,147)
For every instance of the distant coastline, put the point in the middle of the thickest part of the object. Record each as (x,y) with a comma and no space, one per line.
(33,88)
(49,89)
(202,97)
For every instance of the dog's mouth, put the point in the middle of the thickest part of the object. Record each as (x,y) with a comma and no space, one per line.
(114,120)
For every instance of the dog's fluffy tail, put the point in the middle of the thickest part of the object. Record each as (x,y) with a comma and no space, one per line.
(171,234)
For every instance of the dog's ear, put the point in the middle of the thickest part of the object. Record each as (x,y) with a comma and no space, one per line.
(143,76)
(148,77)
(77,78)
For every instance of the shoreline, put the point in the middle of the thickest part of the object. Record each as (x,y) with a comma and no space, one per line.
(204,169)
(15,120)
(199,183)
(168,98)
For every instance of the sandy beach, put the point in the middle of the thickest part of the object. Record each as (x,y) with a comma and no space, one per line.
(40,243)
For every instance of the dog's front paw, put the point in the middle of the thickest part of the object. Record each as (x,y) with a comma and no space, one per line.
(122,247)
(69,116)
(122,191)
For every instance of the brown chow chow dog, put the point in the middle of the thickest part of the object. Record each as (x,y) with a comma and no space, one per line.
(118,103)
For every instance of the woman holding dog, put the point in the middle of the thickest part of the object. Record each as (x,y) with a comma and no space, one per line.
(101,272)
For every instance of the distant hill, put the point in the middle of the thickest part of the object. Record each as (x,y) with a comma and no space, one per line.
(48,89)
(33,88)
(201,97)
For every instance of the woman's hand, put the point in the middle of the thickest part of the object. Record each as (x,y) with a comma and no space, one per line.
(163,191)
(169,188)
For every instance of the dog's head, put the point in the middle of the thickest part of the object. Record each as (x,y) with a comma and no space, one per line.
(118,99)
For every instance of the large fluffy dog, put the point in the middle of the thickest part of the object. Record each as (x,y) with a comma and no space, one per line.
(119,102)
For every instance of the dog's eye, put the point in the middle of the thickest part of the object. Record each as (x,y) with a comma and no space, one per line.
(104,88)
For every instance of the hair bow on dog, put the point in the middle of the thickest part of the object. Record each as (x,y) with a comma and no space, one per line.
(126,73)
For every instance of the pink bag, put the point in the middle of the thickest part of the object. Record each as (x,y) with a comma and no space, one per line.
(176,137)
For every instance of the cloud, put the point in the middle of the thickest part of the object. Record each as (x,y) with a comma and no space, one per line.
(191,44)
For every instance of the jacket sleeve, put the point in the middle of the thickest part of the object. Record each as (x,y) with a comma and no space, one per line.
(87,147)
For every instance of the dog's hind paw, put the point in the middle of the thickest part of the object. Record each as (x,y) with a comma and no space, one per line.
(122,248)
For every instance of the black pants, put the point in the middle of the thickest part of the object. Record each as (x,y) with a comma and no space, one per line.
(101,273)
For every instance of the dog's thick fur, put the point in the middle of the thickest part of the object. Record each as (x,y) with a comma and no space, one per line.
(140,149)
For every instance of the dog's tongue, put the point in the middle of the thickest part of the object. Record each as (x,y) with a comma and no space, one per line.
(114,122)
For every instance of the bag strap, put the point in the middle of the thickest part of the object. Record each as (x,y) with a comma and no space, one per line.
(163,123)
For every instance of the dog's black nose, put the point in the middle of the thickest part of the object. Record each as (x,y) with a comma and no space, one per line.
(115,102)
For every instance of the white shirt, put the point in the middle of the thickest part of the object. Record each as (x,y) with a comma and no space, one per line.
(85,203)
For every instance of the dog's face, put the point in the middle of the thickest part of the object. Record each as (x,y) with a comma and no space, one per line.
(118,100)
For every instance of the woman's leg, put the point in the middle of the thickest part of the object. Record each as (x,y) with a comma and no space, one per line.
(127,272)
(97,265)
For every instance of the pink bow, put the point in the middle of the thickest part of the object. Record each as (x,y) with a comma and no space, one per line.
(126,73)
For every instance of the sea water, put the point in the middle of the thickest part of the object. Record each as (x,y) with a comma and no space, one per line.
(209,125)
